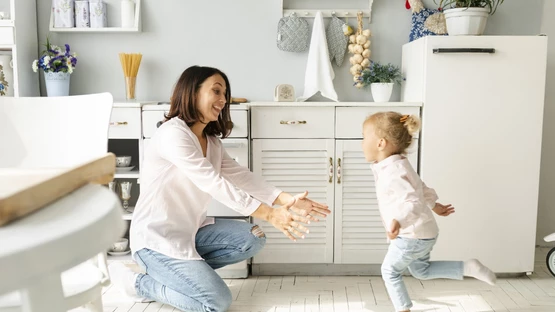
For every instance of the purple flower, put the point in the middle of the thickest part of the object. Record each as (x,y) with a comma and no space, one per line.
(56,59)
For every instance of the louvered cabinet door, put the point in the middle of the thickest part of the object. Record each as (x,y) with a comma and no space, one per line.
(359,231)
(296,165)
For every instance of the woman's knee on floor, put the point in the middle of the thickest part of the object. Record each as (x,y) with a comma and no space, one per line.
(255,241)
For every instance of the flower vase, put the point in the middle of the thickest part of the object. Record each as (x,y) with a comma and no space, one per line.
(57,84)
(381,92)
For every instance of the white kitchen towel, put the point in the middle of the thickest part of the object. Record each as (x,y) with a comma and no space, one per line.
(319,73)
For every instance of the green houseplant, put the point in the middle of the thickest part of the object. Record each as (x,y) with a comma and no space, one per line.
(380,78)
(467,17)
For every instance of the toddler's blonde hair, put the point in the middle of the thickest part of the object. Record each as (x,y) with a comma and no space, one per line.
(395,128)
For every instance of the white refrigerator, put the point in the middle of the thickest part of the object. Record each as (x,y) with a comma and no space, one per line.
(482,114)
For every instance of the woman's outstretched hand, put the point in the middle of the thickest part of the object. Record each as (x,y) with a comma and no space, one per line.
(306,207)
(288,223)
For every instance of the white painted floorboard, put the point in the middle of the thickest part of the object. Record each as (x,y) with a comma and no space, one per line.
(533,293)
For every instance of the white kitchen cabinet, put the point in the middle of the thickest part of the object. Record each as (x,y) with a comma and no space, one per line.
(318,148)
(483,100)
(296,165)
(18,39)
(359,231)
(236,145)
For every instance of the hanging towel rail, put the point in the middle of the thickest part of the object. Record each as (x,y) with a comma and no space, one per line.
(330,12)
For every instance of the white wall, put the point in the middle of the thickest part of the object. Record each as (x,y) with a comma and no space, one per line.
(546,214)
(239,37)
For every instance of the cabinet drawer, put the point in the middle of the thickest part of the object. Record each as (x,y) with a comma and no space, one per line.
(125,123)
(240,124)
(239,118)
(348,121)
(150,122)
(292,122)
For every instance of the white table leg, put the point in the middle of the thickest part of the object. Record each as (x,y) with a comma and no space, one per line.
(45,294)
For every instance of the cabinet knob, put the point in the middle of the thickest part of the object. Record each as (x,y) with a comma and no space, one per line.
(158,124)
(292,122)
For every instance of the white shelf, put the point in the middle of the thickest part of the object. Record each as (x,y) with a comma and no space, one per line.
(125,258)
(133,174)
(7,47)
(7,23)
(96,30)
(136,27)
(127,215)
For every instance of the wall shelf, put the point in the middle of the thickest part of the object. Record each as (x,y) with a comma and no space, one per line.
(7,23)
(7,47)
(128,215)
(125,258)
(137,27)
(327,13)
(133,174)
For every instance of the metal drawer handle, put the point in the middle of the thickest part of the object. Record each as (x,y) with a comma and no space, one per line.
(330,172)
(463,50)
(338,170)
(292,122)
(118,123)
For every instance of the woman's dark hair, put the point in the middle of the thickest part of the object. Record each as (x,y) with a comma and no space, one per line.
(183,100)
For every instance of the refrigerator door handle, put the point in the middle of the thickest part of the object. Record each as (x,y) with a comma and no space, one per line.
(464,50)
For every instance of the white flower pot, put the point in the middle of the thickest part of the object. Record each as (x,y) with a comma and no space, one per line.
(57,84)
(466,21)
(381,92)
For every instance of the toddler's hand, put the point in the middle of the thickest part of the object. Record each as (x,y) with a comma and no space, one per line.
(394,229)
(443,210)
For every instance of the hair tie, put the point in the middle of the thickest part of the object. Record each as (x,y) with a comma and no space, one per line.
(404,118)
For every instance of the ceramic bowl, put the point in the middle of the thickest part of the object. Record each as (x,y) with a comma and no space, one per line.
(120,245)
(123,161)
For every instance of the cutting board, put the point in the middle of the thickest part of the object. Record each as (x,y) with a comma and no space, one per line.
(23,191)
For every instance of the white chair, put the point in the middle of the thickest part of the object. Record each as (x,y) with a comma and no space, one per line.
(34,132)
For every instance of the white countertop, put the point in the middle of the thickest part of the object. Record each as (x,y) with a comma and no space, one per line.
(244,106)
(132,103)
(166,107)
(336,104)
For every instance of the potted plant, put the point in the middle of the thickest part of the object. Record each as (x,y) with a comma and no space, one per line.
(467,17)
(58,64)
(381,79)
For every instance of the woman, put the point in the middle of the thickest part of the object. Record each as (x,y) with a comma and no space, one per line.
(184,167)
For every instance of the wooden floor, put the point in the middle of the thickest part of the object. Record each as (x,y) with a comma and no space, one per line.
(367,293)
